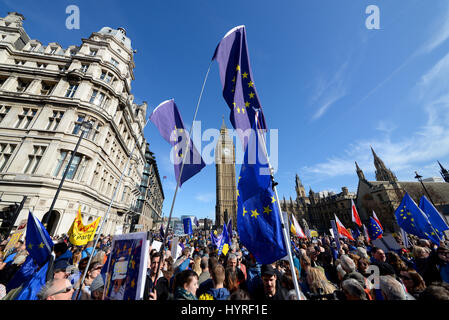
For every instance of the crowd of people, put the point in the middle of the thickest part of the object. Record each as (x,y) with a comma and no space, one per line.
(355,271)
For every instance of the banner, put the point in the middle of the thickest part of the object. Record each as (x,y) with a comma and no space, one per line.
(127,267)
(15,237)
(80,234)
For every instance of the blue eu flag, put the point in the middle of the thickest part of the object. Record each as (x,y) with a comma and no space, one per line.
(355,233)
(258,215)
(32,287)
(374,230)
(239,90)
(223,240)
(187,226)
(412,220)
(167,118)
(38,241)
(434,216)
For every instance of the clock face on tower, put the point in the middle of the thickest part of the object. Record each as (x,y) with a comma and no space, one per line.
(226,151)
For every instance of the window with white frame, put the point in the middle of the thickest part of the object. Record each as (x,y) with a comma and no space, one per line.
(84,68)
(71,90)
(34,159)
(114,62)
(3,112)
(106,76)
(25,118)
(76,169)
(93,52)
(53,121)
(97,97)
(6,151)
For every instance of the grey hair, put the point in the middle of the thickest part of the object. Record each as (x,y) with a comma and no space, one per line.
(391,288)
(347,264)
(354,288)
(45,291)
(232,256)
(362,253)
(340,271)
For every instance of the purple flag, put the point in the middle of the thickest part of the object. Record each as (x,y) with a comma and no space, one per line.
(239,90)
(167,119)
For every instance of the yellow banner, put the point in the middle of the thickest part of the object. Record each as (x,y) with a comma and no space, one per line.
(80,234)
(15,237)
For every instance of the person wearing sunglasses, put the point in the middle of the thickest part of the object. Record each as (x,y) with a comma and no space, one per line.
(413,281)
(56,289)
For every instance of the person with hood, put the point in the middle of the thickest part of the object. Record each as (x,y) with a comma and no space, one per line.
(218,291)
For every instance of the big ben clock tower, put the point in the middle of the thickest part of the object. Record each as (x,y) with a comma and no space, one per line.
(226,205)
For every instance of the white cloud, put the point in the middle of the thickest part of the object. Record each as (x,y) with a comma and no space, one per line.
(328,92)
(439,33)
(419,147)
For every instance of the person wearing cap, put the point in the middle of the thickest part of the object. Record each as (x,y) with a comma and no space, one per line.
(97,288)
(271,288)
(60,269)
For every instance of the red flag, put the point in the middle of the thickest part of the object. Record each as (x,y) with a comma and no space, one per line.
(355,214)
(365,230)
(377,220)
(342,230)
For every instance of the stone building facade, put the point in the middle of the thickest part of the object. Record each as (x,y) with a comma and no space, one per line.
(46,92)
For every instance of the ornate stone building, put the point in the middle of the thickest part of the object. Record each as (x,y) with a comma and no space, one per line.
(46,93)
(384,195)
(226,202)
(148,210)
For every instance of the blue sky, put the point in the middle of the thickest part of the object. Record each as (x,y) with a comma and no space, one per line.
(330,86)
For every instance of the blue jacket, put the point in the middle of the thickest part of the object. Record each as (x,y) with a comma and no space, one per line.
(65,256)
(86,252)
(219,294)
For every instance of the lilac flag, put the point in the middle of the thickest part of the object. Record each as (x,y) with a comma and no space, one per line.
(167,119)
(236,77)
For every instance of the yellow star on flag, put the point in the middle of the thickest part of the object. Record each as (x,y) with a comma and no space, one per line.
(133,264)
(254,213)
(238,109)
(30,246)
(273,200)
(251,95)
(244,211)
(245,75)
(238,193)
(250,84)
(267,209)
(133,283)
(247,104)
(233,80)
(41,245)
(238,68)
(243,110)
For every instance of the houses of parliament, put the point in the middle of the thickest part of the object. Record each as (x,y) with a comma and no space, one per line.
(315,210)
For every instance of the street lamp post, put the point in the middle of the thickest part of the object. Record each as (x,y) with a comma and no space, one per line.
(85,127)
(424,187)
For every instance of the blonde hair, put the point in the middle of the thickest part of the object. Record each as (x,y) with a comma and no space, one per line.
(419,252)
(197,265)
(317,280)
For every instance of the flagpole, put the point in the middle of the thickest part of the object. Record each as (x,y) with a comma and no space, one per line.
(106,215)
(179,179)
(284,230)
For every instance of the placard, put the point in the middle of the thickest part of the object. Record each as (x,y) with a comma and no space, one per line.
(127,267)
